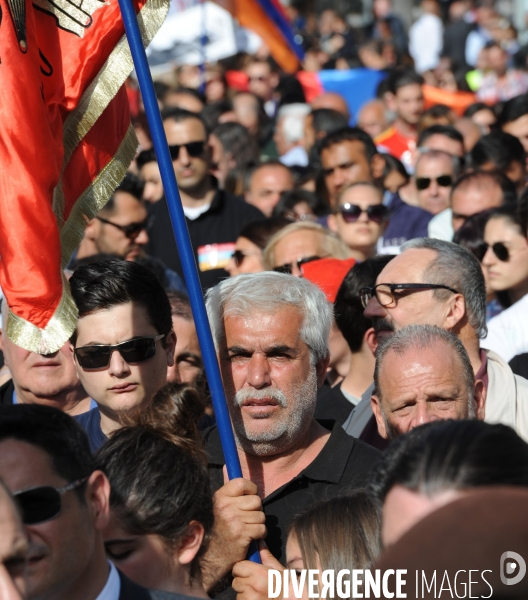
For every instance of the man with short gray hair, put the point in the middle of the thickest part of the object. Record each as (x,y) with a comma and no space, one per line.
(423,374)
(440,283)
(289,134)
(270,331)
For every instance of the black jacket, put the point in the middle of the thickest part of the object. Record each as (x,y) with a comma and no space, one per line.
(220,224)
(6,393)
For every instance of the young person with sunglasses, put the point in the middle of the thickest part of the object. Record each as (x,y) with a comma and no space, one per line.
(214,217)
(504,255)
(360,218)
(123,342)
(46,463)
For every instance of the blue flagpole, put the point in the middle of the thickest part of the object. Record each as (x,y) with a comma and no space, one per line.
(183,242)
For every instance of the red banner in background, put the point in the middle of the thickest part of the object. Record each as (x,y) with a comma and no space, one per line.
(65,144)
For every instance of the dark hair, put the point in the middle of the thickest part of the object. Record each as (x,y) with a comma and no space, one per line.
(158,471)
(514,109)
(160,89)
(403,77)
(180,305)
(212,112)
(347,306)
(509,191)
(448,130)
(145,157)
(235,140)
(499,148)
(477,107)
(471,234)
(393,164)
(259,232)
(438,110)
(349,134)
(103,285)
(511,214)
(452,455)
(55,433)
(290,91)
(328,120)
(290,199)
(132,185)
(188,91)
(179,115)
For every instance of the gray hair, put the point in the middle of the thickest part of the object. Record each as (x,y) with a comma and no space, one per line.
(423,337)
(269,292)
(293,116)
(456,267)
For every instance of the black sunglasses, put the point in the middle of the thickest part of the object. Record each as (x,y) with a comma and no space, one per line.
(422,183)
(41,504)
(385,292)
(193,149)
(351,213)
(499,249)
(133,351)
(288,267)
(238,256)
(131,231)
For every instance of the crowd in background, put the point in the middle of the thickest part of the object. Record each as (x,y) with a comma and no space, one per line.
(366,284)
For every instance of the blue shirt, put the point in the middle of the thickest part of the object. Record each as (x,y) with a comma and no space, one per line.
(91,423)
(406,222)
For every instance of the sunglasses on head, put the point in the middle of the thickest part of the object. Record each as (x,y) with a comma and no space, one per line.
(351,213)
(499,249)
(41,504)
(193,149)
(131,231)
(288,267)
(133,351)
(422,183)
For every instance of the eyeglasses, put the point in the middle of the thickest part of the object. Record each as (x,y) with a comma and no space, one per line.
(422,183)
(133,351)
(499,249)
(385,292)
(288,267)
(193,149)
(41,504)
(131,231)
(351,213)
(238,256)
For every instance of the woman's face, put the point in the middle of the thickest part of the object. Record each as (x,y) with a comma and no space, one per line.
(512,274)
(142,558)
(248,258)
(295,562)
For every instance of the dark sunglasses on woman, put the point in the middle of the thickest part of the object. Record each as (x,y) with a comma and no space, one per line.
(43,503)
(499,249)
(238,256)
(133,351)
(376,213)
(422,183)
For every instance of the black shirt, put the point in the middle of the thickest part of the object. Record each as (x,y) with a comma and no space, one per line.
(220,224)
(518,364)
(6,393)
(343,464)
(332,404)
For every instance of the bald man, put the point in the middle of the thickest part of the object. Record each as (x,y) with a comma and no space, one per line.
(331,100)
(372,118)
(470,131)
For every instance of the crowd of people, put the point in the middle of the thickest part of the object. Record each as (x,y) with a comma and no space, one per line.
(365,277)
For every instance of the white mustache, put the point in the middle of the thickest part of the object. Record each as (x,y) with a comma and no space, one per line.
(247,394)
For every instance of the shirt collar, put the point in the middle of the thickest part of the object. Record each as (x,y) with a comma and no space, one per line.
(112,588)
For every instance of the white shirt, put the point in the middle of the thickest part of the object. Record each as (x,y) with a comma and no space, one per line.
(295,156)
(508,332)
(425,42)
(193,213)
(112,588)
(441,226)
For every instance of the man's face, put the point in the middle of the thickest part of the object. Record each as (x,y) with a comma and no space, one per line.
(222,162)
(150,174)
(412,307)
(435,197)
(372,119)
(266,187)
(343,164)
(270,383)
(261,80)
(246,109)
(409,103)
(439,141)
(498,60)
(13,551)
(188,358)
(298,244)
(191,171)
(471,199)
(281,143)
(122,386)
(46,379)
(60,549)
(519,128)
(421,386)
(109,239)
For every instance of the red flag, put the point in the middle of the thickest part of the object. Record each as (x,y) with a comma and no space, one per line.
(65,144)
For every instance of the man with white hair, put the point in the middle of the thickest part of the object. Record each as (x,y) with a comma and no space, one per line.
(289,134)
(270,331)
